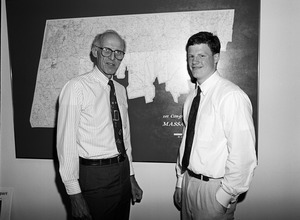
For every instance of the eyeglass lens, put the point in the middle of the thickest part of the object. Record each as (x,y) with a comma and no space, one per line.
(107,52)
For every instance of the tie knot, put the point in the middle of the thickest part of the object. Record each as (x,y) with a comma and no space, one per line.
(110,82)
(198,90)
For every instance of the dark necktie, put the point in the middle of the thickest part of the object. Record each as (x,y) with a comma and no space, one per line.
(190,130)
(116,118)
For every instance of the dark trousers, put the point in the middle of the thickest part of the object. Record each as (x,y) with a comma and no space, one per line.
(107,190)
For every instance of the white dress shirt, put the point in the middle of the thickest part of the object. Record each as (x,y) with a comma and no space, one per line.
(224,141)
(84,125)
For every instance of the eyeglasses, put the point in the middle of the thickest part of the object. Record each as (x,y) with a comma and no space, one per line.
(106,52)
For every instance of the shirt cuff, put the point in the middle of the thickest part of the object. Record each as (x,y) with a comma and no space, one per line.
(131,169)
(179,181)
(223,197)
(72,188)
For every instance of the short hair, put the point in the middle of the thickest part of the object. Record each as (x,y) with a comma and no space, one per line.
(208,38)
(99,38)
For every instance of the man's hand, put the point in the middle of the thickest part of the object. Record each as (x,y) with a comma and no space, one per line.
(177,198)
(80,210)
(137,192)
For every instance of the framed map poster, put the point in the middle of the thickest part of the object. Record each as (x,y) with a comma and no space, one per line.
(57,39)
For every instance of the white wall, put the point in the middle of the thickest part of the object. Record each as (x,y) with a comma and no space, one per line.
(275,192)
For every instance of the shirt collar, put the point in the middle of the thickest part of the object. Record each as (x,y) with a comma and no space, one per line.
(209,83)
(99,76)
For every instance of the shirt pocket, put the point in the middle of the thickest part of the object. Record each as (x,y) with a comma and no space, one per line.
(205,128)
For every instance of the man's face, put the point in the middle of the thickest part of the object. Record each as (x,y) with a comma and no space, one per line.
(108,65)
(201,61)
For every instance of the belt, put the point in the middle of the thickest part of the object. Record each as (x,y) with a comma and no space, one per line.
(102,162)
(199,176)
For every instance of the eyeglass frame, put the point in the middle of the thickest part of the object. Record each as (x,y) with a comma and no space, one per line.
(111,51)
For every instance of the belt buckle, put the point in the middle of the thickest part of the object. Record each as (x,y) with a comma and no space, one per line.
(204,178)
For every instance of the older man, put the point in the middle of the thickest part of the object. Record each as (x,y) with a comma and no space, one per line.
(93,137)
